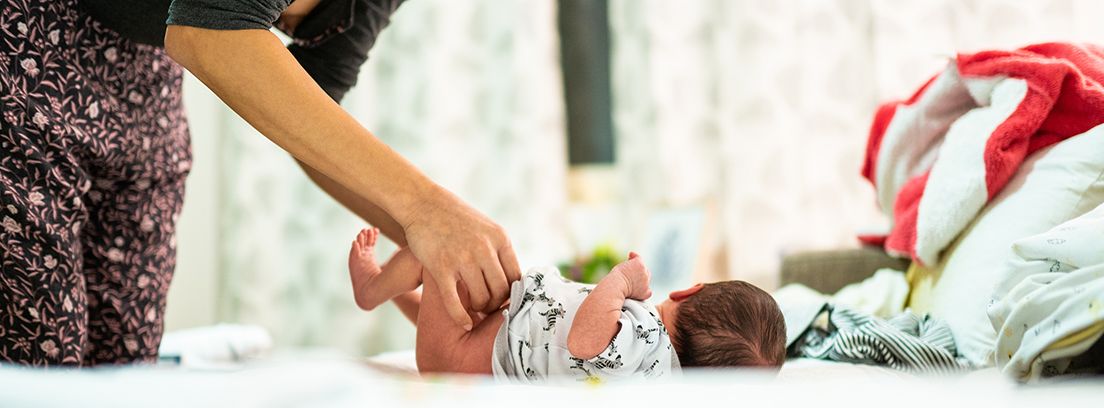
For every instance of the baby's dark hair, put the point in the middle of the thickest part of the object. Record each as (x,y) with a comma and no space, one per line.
(731,323)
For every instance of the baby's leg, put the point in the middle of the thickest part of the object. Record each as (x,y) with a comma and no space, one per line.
(445,347)
(372,284)
(442,345)
(409,303)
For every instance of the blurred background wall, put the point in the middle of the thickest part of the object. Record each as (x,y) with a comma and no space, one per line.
(754,113)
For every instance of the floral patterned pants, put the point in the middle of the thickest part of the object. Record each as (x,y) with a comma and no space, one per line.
(94,151)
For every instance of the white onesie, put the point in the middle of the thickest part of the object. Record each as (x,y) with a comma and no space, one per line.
(531,346)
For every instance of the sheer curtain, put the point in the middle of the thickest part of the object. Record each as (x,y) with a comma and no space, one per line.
(468,91)
(763,107)
(758,109)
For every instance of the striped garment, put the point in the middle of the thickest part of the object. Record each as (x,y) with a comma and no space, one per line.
(908,342)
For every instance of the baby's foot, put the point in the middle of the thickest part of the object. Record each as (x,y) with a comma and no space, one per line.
(363,268)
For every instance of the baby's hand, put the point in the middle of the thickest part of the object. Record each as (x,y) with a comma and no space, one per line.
(636,276)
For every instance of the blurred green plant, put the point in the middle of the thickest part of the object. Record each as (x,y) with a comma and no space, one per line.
(592,268)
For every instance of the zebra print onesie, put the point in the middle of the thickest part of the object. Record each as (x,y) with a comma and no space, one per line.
(531,346)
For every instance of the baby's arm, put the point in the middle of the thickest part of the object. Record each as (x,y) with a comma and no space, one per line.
(597,321)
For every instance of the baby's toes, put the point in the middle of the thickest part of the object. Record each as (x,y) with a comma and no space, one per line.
(357,245)
(370,236)
(366,240)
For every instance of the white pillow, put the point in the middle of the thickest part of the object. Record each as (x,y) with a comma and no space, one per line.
(1052,186)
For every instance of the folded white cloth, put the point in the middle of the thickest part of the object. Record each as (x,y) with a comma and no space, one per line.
(219,345)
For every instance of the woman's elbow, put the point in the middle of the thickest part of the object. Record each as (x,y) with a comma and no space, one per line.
(192,46)
(181,44)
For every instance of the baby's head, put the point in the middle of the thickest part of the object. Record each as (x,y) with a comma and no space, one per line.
(725,324)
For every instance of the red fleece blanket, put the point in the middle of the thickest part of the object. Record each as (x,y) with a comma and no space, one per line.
(937,158)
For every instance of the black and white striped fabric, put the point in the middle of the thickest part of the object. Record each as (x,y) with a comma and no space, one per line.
(907,342)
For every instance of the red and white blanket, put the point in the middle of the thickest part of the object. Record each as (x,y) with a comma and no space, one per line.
(937,158)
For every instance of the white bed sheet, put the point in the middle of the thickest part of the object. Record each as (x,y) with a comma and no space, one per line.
(402,363)
(387,380)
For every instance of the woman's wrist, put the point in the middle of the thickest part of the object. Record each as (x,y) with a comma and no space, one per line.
(415,199)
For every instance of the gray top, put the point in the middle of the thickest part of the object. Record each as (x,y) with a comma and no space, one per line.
(226,14)
(331,43)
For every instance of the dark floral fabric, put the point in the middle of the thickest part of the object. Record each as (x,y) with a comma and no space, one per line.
(94,151)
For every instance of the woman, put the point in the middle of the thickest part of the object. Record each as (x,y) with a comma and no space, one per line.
(95,152)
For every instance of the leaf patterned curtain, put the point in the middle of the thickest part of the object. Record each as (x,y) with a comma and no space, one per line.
(757,108)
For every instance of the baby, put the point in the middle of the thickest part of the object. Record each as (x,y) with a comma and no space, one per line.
(554,328)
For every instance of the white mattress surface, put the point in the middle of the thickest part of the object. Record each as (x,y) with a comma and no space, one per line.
(390,380)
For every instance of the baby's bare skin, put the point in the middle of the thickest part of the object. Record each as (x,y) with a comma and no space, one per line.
(445,347)
(442,345)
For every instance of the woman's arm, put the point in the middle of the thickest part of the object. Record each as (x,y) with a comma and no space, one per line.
(354,53)
(259,79)
(255,75)
(358,205)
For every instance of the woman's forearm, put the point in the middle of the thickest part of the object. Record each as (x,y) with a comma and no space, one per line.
(255,75)
(358,205)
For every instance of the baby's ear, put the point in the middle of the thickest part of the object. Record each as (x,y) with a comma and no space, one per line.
(680,295)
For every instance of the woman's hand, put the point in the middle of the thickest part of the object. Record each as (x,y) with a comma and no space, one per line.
(456,243)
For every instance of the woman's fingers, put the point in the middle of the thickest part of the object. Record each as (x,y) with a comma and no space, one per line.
(478,295)
(448,235)
(496,283)
(451,300)
(508,261)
